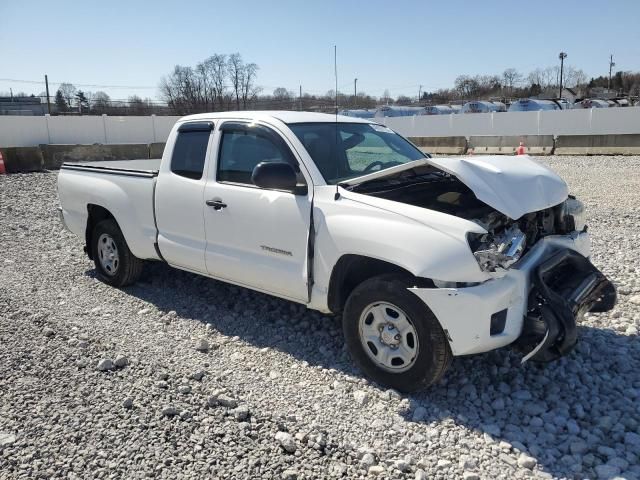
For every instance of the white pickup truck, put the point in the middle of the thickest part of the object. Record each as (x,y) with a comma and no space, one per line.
(425,258)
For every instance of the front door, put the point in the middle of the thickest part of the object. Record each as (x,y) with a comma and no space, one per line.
(256,237)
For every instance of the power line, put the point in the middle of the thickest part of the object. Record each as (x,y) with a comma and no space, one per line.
(38,82)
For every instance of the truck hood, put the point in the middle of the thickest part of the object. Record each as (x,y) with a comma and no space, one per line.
(513,185)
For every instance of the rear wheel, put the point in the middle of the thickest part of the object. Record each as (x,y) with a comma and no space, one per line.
(115,264)
(393,336)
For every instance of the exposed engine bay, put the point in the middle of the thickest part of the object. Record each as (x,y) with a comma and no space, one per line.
(506,239)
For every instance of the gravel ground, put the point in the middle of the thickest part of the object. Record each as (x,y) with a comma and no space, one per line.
(180,376)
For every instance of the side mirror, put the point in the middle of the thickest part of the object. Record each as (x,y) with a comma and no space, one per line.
(276,176)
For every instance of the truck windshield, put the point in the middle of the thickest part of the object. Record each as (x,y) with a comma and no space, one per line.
(347,150)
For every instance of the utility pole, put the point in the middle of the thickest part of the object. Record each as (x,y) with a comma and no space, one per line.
(611,65)
(300,98)
(11,93)
(46,82)
(561,56)
(419,94)
(355,92)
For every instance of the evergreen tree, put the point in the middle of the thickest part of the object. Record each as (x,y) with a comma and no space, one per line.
(61,103)
(81,99)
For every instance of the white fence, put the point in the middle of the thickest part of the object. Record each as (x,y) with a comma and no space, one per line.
(596,121)
(16,131)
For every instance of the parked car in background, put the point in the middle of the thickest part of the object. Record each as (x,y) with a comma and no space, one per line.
(593,103)
(483,106)
(533,104)
(398,111)
(424,258)
(358,113)
(438,110)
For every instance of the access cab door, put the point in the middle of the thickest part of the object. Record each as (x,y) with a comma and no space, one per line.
(179,197)
(256,237)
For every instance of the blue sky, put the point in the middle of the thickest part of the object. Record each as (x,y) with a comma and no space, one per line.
(395,45)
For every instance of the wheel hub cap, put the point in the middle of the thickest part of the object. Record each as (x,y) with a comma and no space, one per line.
(388,336)
(108,254)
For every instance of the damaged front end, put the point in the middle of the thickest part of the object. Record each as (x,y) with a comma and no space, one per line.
(533,245)
(564,288)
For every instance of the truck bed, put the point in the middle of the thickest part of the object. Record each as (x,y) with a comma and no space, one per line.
(144,167)
(125,188)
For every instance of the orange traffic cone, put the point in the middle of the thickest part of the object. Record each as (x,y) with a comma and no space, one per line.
(520,149)
(2,169)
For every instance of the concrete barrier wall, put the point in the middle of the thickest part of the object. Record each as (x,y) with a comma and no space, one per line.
(507,145)
(598,144)
(22,159)
(156,149)
(441,145)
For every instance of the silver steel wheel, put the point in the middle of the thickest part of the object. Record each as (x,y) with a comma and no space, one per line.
(108,254)
(389,337)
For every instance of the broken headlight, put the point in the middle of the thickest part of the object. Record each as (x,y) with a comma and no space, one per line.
(497,251)
(571,216)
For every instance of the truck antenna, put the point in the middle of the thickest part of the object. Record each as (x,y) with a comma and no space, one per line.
(335,72)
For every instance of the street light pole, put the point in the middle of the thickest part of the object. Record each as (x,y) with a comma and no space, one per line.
(611,65)
(355,92)
(562,56)
(419,94)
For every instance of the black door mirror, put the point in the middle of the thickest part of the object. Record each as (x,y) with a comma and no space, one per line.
(276,176)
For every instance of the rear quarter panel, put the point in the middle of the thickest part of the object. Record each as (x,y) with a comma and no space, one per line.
(128,198)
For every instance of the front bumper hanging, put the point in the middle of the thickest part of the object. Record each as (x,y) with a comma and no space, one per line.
(564,288)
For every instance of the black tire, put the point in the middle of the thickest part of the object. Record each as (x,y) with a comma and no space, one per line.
(128,268)
(434,354)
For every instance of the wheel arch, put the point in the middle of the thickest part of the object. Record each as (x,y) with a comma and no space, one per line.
(95,214)
(351,270)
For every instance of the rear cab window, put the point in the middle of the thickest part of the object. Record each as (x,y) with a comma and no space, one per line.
(190,149)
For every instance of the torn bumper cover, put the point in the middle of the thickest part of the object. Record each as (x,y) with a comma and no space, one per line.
(564,288)
(534,306)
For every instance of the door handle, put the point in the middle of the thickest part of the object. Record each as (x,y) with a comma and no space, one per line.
(216,204)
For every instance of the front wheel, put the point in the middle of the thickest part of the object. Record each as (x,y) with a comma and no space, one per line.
(393,336)
(115,264)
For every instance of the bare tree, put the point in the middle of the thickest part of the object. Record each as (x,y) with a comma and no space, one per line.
(467,86)
(249,90)
(403,100)
(236,71)
(100,102)
(68,92)
(573,77)
(511,78)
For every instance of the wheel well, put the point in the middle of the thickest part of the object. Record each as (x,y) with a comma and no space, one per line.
(351,270)
(96,215)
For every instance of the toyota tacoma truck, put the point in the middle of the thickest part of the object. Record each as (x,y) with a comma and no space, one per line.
(424,258)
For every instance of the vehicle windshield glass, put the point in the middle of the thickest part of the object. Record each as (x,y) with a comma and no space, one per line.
(347,150)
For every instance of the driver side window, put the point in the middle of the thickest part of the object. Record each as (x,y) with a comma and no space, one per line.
(243,147)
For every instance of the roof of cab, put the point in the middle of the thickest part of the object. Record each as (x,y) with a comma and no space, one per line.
(284,116)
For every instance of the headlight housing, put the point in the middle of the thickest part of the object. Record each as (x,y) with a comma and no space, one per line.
(571,216)
(496,252)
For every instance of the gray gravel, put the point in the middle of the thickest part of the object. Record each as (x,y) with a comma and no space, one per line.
(206,380)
